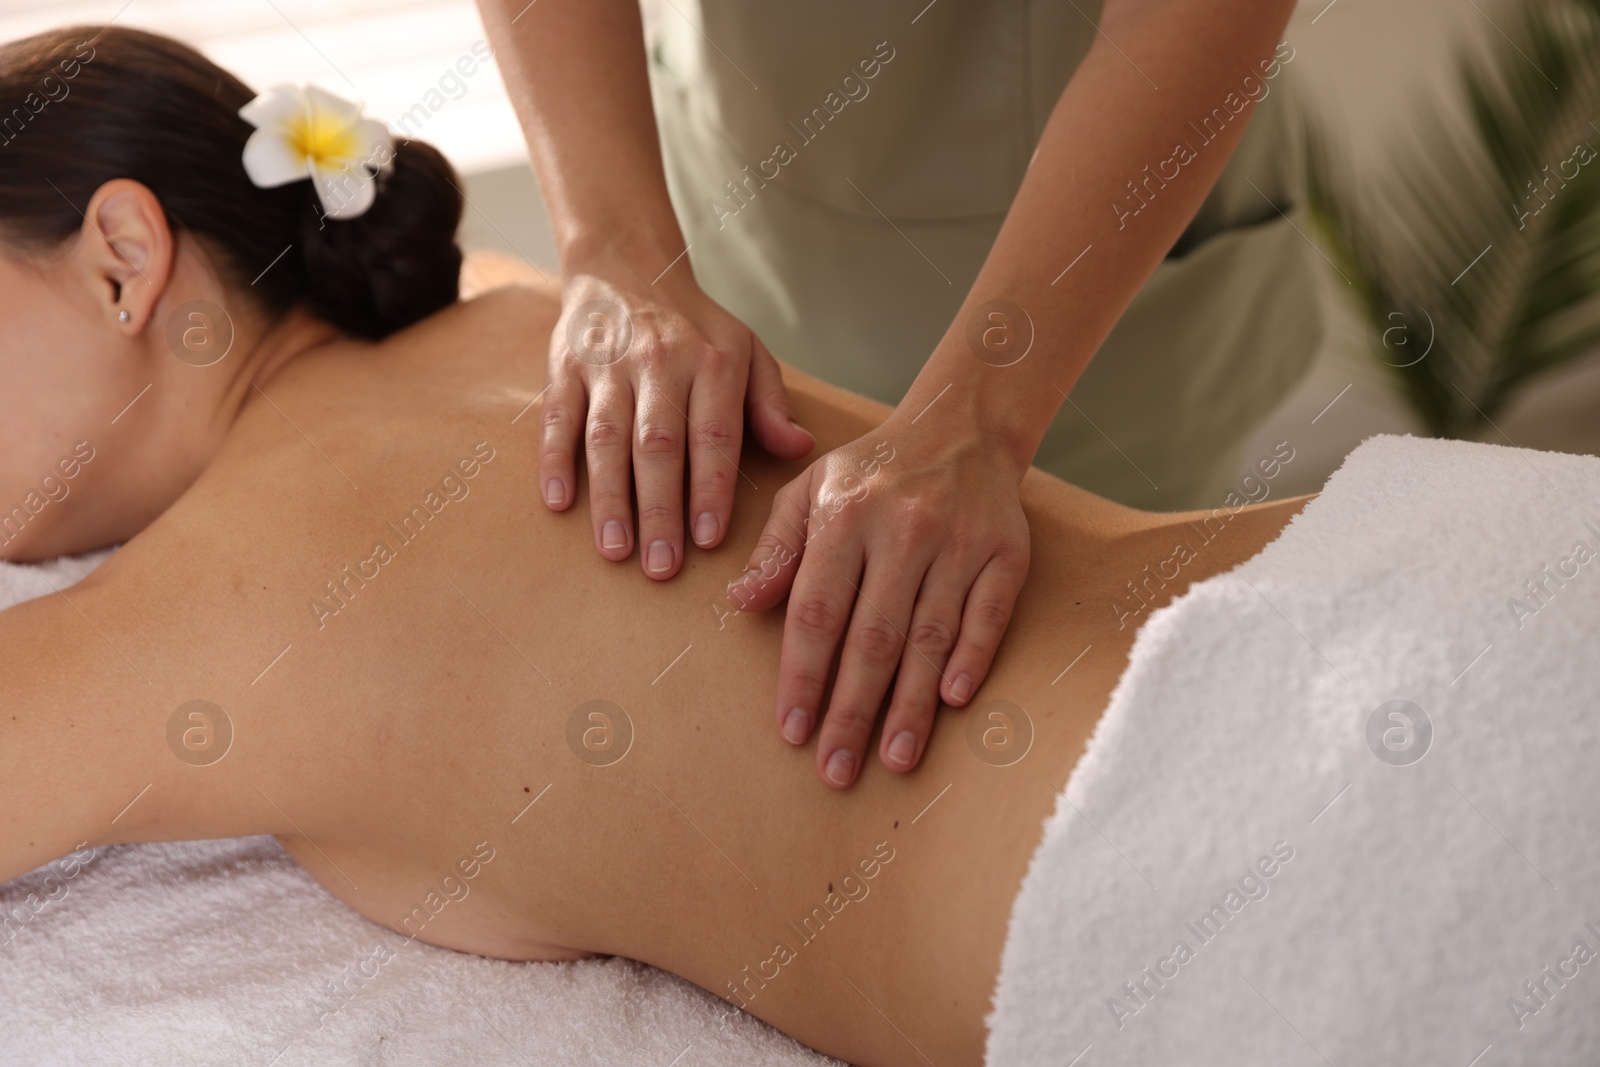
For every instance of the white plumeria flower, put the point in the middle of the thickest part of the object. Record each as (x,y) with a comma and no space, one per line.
(307,132)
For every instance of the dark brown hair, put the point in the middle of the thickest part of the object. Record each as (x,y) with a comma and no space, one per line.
(87,104)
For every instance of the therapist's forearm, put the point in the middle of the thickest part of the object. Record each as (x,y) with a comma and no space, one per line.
(1109,125)
(575,70)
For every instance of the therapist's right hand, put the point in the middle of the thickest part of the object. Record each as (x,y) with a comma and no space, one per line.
(654,381)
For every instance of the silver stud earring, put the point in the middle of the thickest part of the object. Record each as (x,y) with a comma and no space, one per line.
(124,316)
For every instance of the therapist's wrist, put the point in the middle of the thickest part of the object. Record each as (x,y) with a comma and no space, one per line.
(960,397)
(960,420)
(1012,445)
(607,251)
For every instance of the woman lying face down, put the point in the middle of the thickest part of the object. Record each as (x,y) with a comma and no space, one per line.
(342,616)
(136,251)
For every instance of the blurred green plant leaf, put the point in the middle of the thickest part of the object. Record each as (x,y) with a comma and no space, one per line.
(1511,191)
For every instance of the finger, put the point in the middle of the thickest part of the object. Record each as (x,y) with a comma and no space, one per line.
(771,414)
(774,562)
(935,622)
(983,622)
(558,442)
(716,425)
(608,437)
(872,650)
(819,607)
(658,474)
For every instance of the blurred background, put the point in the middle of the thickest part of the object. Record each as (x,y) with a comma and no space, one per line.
(1370,69)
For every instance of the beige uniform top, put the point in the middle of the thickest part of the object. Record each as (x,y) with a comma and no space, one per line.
(841,170)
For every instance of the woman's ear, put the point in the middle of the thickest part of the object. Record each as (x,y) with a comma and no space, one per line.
(126,247)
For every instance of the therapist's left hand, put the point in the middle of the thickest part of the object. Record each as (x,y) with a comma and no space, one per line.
(915,547)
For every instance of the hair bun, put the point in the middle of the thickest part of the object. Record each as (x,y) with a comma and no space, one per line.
(398,262)
(147,108)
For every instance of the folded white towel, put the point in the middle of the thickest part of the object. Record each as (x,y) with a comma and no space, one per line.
(1252,865)
(226,952)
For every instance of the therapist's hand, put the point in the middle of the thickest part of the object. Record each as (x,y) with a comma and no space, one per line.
(653,382)
(916,547)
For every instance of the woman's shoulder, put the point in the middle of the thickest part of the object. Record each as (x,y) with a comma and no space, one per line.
(507,309)
(485,271)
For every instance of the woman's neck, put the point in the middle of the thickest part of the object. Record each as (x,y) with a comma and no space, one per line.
(292,336)
(174,423)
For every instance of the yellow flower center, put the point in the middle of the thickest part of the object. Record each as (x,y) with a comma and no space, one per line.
(323,139)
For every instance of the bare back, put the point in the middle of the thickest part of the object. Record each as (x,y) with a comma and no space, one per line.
(471,728)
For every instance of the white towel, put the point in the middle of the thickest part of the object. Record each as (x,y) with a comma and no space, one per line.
(1335,907)
(226,952)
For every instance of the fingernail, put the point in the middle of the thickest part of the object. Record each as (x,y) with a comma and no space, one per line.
(739,594)
(839,766)
(612,535)
(705,528)
(961,688)
(802,429)
(555,492)
(902,748)
(796,725)
(659,557)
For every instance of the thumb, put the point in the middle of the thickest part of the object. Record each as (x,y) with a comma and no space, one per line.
(768,409)
(776,558)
